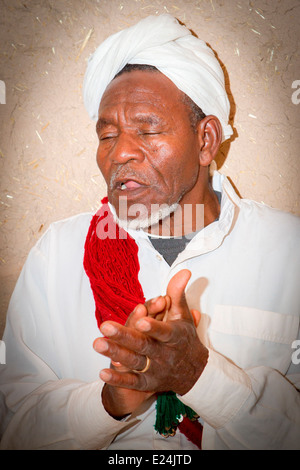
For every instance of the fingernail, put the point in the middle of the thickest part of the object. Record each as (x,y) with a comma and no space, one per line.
(108,330)
(143,325)
(116,364)
(101,345)
(105,375)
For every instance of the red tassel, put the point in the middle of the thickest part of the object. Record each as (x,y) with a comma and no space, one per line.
(192,430)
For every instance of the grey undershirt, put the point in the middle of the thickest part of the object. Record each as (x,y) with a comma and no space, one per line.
(170,248)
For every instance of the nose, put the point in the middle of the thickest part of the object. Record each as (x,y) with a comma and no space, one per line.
(126,147)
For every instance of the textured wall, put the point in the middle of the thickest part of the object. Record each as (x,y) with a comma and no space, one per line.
(48,144)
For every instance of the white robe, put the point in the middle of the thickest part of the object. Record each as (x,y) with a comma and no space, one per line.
(245,282)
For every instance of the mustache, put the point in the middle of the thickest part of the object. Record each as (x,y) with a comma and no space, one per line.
(125,174)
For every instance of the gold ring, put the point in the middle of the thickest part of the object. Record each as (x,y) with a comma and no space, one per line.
(145,368)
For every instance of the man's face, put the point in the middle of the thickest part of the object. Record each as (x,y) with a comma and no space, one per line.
(148,152)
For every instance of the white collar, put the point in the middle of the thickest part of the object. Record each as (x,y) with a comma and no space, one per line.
(213,235)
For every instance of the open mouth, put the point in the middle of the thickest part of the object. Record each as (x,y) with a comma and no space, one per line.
(129,185)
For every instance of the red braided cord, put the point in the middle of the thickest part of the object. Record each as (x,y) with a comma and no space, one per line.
(112,265)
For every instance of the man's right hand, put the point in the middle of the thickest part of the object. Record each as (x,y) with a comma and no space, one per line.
(119,401)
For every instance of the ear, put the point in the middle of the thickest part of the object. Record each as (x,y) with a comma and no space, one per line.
(209,132)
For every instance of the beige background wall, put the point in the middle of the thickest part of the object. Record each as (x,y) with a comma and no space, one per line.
(48,144)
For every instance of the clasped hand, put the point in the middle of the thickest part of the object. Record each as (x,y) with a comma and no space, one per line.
(162,329)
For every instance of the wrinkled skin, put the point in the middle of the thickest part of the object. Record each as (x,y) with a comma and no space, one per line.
(146,140)
(172,345)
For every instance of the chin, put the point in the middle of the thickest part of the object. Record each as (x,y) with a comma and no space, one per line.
(143,222)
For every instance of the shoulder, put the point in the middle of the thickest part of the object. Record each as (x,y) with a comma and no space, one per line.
(258,216)
(78,222)
(66,233)
(269,217)
(276,227)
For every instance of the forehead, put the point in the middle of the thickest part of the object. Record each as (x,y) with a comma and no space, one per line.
(144,90)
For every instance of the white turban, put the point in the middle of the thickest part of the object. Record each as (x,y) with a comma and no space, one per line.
(162,42)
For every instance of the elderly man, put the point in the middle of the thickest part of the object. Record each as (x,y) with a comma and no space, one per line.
(198,310)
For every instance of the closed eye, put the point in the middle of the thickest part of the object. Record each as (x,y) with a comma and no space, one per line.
(151,133)
(107,137)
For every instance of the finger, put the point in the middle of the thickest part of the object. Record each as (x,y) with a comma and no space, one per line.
(116,364)
(157,307)
(139,312)
(129,338)
(196,316)
(159,316)
(128,380)
(168,306)
(160,331)
(117,379)
(119,356)
(176,290)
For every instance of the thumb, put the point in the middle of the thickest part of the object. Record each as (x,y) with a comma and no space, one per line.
(176,291)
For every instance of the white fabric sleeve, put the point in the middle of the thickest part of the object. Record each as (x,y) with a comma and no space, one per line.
(66,414)
(256,408)
(39,408)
